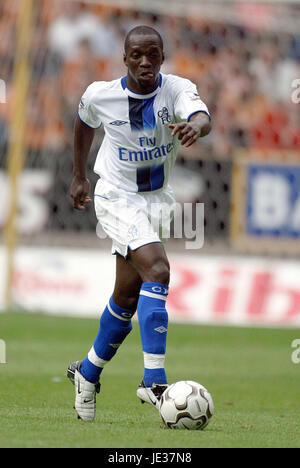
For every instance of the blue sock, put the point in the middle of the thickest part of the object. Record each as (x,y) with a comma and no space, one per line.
(153,322)
(115,325)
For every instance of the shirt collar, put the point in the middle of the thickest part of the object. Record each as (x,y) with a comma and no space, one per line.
(138,95)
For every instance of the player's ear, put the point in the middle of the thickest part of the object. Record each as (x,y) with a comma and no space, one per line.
(125,59)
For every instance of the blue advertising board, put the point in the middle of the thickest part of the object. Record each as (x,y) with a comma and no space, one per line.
(273,201)
(266,205)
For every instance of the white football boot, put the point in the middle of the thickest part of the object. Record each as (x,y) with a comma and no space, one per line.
(151,395)
(85,393)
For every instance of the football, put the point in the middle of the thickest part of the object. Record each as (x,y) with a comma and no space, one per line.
(186,405)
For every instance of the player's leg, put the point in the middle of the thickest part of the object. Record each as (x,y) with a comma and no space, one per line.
(115,321)
(115,325)
(153,267)
(127,284)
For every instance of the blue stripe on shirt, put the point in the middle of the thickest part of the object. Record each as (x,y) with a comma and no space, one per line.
(136,114)
(150,178)
(148,114)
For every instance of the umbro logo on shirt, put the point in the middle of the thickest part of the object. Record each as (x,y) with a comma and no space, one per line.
(118,123)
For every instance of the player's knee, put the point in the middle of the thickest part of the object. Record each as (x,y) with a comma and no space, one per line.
(159,272)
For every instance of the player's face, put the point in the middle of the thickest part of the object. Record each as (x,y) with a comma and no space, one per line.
(143,59)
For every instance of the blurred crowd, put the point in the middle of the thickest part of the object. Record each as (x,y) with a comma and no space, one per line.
(244,75)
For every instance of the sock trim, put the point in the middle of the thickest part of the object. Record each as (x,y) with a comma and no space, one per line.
(94,359)
(116,315)
(154,361)
(153,295)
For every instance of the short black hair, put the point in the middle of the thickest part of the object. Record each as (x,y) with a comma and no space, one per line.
(142,30)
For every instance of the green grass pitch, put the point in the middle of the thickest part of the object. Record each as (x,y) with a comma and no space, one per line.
(249,372)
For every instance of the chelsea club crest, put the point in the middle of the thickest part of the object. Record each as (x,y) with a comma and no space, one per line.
(163,114)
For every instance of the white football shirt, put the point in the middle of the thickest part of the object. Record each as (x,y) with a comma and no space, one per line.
(138,152)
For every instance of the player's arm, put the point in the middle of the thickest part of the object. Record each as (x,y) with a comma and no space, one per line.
(188,132)
(80,187)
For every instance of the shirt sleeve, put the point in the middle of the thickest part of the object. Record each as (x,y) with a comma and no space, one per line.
(87,111)
(188,102)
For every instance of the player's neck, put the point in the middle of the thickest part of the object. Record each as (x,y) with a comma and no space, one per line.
(135,86)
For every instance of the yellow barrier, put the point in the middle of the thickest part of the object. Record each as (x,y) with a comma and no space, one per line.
(16,149)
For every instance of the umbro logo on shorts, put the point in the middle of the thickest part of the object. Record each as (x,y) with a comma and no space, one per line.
(118,123)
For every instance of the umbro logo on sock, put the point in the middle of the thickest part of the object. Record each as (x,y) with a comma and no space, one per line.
(161,329)
(115,345)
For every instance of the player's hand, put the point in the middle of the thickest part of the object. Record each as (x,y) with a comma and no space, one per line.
(79,191)
(188,132)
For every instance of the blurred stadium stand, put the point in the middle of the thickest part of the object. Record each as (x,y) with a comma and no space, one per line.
(243,56)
